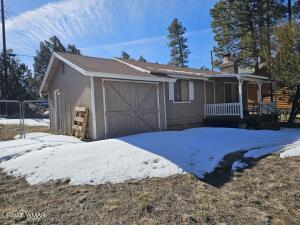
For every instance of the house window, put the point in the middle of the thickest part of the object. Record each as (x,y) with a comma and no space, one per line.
(181,91)
(231,92)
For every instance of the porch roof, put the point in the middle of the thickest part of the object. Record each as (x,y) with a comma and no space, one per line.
(241,76)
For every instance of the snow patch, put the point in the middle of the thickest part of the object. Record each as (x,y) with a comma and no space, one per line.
(259,152)
(237,165)
(44,157)
(28,122)
(291,150)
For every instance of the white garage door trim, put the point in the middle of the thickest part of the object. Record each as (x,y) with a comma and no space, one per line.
(131,81)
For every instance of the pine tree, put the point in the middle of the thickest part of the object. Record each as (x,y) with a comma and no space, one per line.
(284,64)
(19,78)
(73,50)
(178,44)
(125,55)
(142,59)
(204,68)
(245,27)
(43,56)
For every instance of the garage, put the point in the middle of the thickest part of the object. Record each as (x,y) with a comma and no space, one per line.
(130,107)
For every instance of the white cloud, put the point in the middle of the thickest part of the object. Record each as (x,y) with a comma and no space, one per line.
(90,23)
(67,19)
(162,39)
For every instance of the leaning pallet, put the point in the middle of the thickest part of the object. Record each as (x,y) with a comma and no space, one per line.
(80,122)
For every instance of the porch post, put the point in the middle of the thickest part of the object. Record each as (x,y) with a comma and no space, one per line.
(241,98)
(274,85)
(259,85)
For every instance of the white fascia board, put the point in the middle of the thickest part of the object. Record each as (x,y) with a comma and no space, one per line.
(79,69)
(241,75)
(187,77)
(132,66)
(130,77)
(101,74)
(46,74)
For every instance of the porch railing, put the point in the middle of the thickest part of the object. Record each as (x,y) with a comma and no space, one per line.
(222,109)
(263,108)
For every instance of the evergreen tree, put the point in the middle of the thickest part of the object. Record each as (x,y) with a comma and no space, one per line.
(178,44)
(43,56)
(125,55)
(284,64)
(245,27)
(73,50)
(142,59)
(19,78)
(204,68)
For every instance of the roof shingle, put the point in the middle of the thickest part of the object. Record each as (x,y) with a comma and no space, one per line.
(94,64)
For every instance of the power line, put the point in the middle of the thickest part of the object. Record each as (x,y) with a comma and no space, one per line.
(31,56)
(27,43)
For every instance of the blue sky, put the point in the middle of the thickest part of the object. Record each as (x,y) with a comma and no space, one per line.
(104,28)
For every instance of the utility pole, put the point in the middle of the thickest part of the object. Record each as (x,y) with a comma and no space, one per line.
(5,90)
(212,61)
(290,10)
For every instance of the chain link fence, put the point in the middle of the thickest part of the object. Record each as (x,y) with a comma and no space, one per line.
(35,116)
(19,118)
(10,119)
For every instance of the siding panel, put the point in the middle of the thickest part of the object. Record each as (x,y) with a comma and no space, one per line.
(75,90)
(185,115)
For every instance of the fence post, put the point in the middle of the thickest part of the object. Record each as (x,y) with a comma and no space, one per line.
(23,120)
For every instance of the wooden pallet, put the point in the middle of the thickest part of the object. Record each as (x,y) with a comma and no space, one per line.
(80,122)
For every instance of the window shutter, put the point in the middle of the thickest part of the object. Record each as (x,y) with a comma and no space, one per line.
(171,91)
(191,91)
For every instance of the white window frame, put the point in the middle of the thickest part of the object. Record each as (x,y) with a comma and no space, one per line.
(183,102)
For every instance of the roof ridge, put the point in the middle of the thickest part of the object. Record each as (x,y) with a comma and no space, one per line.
(171,67)
(132,66)
(86,56)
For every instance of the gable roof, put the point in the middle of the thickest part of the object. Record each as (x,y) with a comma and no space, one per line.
(93,64)
(97,67)
(157,68)
(120,69)
(127,69)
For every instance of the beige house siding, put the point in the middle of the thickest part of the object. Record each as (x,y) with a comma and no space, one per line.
(186,115)
(220,90)
(75,90)
(99,106)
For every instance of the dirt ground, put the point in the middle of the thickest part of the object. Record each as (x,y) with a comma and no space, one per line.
(267,193)
(8,132)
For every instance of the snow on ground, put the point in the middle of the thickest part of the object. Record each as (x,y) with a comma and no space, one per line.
(238,165)
(291,150)
(33,142)
(29,122)
(44,157)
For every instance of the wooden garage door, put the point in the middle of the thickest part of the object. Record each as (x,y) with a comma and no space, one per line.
(131,108)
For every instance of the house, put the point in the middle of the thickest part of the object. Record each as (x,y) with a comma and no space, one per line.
(230,65)
(126,96)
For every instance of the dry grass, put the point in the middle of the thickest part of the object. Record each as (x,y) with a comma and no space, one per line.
(8,132)
(268,193)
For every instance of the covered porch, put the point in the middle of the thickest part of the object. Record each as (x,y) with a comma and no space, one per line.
(240,97)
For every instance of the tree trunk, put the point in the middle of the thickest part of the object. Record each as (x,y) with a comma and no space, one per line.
(268,23)
(295,102)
